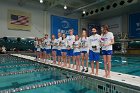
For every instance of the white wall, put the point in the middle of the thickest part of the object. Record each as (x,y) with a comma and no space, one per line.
(37,20)
(115,24)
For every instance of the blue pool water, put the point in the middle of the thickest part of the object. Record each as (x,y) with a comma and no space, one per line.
(10,64)
(19,80)
(125,64)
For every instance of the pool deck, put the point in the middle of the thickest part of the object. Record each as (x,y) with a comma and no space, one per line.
(125,79)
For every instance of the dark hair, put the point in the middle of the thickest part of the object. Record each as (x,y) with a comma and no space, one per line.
(106,27)
(84,29)
(71,29)
(62,36)
(94,27)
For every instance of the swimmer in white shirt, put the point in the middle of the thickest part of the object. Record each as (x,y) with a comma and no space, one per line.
(77,53)
(107,40)
(64,49)
(70,40)
(54,48)
(84,49)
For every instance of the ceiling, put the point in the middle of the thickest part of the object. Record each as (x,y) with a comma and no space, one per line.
(77,6)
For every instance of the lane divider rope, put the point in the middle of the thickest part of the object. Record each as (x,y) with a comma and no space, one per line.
(26,71)
(29,87)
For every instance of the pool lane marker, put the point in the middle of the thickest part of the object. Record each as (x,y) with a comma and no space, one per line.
(29,87)
(22,65)
(26,71)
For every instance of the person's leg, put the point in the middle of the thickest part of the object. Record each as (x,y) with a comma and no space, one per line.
(105,65)
(78,60)
(37,55)
(82,57)
(45,55)
(108,65)
(86,58)
(97,67)
(62,58)
(55,57)
(74,61)
(65,59)
(92,67)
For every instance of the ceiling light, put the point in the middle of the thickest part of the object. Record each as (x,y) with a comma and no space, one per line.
(65,7)
(84,12)
(41,1)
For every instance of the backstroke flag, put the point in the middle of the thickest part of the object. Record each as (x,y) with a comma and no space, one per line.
(19,20)
(62,24)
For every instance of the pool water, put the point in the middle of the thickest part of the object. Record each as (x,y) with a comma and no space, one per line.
(125,64)
(10,64)
(71,87)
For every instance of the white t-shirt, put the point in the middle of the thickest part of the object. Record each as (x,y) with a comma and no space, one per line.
(94,40)
(35,44)
(47,42)
(76,44)
(54,42)
(106,39)
(58,41)
(84,42)
(70,40)
(64,44)
(39,46)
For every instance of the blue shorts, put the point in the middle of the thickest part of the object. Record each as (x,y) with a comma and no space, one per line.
(84,52)
(107,52)
(48,51)
(54,50)
(76,53)
(42,49)
(64,50)
(70,52)
(35,49)
(58,53)
(93,56)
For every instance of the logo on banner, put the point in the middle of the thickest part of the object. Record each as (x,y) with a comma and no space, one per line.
(138,26)
(64,25)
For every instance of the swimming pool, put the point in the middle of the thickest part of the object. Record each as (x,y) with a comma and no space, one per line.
(125,64)
(17,73)
(25,76)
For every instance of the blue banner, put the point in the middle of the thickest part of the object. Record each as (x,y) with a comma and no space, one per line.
(134,25)
(62,24)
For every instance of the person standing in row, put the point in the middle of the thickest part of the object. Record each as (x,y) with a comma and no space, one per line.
(107,40)
(77,53)
(94,50)
(64,50)
(84,49)
(36,45)
(58,53)
(54,48)
(70,41)
(47,48)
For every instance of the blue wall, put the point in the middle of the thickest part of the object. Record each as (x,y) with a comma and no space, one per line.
(62,24)
(134,25)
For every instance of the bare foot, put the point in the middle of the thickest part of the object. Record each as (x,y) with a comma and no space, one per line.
(73,66)
(108,76)
(91,73)
(105,76)
(96,74)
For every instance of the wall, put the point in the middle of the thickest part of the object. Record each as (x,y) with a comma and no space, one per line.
(40,19)
(115,24)
(37,20)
